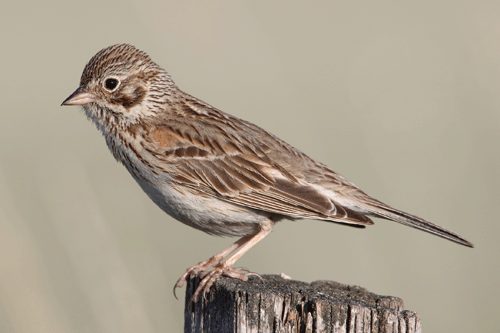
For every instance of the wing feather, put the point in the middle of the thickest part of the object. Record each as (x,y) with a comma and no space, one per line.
(257,185)
(244,170)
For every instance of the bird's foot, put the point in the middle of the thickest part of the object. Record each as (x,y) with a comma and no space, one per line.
(201,267)
(208,278)
(219,268)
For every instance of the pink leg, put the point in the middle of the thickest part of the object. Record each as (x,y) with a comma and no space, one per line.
(226,267)
(203,266)
(208,277)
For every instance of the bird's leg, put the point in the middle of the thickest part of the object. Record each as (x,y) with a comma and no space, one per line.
(205,265)
(226,268)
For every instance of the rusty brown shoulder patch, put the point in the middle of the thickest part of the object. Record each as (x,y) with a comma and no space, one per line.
(165,138)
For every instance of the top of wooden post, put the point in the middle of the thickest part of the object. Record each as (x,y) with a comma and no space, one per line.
(282,305)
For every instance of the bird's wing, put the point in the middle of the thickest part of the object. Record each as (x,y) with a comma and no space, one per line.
(242,174)
(245,181)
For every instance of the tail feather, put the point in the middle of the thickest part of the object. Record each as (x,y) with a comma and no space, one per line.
(383,211)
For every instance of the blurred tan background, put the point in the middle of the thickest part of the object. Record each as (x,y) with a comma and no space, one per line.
(402,99)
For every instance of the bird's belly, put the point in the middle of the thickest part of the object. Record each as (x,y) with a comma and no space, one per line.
(203,212)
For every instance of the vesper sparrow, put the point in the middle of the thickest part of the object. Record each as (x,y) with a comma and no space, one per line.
(213,171)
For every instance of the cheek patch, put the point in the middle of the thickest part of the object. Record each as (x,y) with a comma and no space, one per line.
(129,98)
(134,98)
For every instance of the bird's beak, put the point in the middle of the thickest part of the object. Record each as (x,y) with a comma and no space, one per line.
(79,97)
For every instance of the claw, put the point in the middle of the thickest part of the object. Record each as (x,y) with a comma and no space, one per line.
(175,287)
(244,269)
(256,275)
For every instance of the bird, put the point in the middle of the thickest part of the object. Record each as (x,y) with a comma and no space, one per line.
(213,171)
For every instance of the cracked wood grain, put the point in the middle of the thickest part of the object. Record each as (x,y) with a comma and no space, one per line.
(282,305)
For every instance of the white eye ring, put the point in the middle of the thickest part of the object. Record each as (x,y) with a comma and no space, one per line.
(111,83)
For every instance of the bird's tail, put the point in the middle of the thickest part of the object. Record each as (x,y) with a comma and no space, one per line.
(381,210)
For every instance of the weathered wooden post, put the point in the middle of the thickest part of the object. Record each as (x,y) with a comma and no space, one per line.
(283,305)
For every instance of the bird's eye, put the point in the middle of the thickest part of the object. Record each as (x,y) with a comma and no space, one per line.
(111,84)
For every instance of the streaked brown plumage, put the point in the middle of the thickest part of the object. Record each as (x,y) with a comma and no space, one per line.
(210,170)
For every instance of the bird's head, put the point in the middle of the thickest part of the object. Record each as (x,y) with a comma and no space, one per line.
(121,85)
